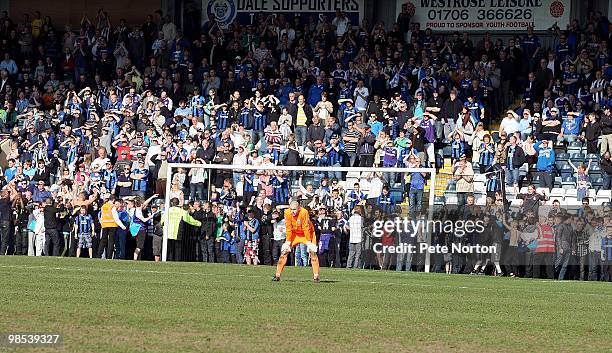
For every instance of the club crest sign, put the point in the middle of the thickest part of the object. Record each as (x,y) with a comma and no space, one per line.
(223,10)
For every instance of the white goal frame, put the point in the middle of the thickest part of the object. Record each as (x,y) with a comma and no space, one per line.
(173,166)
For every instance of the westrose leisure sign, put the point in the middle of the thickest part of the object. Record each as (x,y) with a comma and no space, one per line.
(487,15)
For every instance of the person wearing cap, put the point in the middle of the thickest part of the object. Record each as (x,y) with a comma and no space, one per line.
(526,123)
(40,193)
(546,162)
(550,125)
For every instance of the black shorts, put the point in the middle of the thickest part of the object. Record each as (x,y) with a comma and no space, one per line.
(141,236)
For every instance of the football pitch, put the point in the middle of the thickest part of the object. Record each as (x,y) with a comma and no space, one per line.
(123,306)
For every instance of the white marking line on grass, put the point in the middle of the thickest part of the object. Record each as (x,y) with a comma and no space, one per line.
(211,274)
(259,276)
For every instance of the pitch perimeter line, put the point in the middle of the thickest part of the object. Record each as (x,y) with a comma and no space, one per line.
(114,270)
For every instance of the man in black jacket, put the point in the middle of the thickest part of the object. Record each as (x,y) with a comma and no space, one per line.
(366,148)
(606,166)
(7,196)
(43,172)
(159,172)
(606,130)
(266,233)
(450,111)
(195,233)
(52,237)
(315,132)
(206,240)
(514,160)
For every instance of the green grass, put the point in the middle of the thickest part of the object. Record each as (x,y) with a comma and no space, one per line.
(113,306)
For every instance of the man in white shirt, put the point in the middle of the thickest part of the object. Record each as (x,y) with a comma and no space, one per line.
(341,22)
(355,224)
(196,127)
(9,65)
(510,123)
(361,95)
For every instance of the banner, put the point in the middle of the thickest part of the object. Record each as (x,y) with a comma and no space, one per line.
(245,11)
(487,15)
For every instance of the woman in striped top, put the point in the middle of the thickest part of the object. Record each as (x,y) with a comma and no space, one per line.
(487,152)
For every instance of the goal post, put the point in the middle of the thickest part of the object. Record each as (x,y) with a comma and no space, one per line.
(397,178)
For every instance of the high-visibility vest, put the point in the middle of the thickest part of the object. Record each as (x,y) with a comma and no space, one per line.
(106,216)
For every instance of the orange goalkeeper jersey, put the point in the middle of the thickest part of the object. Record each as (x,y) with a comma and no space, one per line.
(300,228)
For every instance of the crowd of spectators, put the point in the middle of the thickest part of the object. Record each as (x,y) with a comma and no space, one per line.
(93,114)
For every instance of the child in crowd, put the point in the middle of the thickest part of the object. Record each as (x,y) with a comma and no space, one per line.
(582,179)
(83,229)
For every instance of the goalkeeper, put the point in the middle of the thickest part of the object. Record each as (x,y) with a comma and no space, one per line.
(299,231)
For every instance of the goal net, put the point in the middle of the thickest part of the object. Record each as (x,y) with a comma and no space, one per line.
(355,211)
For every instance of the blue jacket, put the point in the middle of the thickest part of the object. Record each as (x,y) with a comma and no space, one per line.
(546,159)
(314,94)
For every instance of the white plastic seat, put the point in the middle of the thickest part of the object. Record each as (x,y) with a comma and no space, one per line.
(557,193)
(604,195)
(481,200)
(451,199)
(480,177)
(599,202)
(572,201)
(571,193)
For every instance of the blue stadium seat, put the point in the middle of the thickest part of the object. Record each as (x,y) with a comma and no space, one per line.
(561,164)
(562,157)
(566,170)
(439,200)
(446,151)
(592,156)
(577,158)
(451,186)
(575,147)
(597,182)
(568,182)
(595,170)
